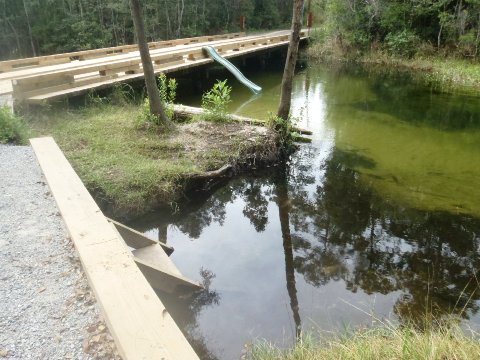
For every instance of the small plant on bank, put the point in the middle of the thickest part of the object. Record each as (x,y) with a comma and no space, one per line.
(12,128)
(284,128)
(122,94)
(215,101)
(168,94)
(403,43)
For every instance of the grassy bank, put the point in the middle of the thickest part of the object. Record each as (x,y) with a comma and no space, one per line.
(445,73)
(390,342)
(134,169)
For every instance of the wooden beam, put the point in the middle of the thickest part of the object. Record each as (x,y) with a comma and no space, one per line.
(161,272)
(136,239)
(184,111)
(137,319)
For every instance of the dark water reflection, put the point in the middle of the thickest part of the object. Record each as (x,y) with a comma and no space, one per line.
(305,246)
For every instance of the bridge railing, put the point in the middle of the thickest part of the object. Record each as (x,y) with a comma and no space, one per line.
(80,77)
(12,65)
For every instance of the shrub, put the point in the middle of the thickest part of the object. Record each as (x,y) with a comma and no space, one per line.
(285,132)
(403,43)
(216,100)
(12,128)
(168,93)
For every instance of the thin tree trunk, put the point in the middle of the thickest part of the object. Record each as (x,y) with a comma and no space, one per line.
(81,9)
(478,36)
(34,52)
(203,16)
(156,107)
(17,38)
(180,18)
(168,20)
(292,54)
(439,37)
(115,27)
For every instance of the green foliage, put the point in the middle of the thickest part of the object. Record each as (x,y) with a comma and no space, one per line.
(145,118)
(354,26)
(403,43)
(12,128)
(215,101)
(63,26)
(95,99)
(286,134)
(168,94)
(122,94)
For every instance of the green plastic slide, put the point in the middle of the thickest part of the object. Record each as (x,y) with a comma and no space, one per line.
(232,68)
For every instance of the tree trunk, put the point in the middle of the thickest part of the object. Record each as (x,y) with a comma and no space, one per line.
(156,107)
(180,9)
(439,37)
(292,54)
(29,29)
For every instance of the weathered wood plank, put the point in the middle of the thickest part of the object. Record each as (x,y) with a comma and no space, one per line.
(137,319)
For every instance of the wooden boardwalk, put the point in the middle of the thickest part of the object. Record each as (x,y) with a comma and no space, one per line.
(36,80)
(138,321)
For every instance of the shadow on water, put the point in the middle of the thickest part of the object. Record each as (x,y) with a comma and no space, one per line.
(283,247)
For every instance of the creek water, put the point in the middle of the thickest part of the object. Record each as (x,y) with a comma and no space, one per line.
(377,218)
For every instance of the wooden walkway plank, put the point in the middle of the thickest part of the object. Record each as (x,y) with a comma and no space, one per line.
(137,319)
(20,64)
(35,85)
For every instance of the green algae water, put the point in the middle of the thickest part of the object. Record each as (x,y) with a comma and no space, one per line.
(379,215)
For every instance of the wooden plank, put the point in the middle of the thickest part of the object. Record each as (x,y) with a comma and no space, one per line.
(137,319)
(79,67)
(129,63)
(6,87)
(136,239)
(161,272)
(10,65)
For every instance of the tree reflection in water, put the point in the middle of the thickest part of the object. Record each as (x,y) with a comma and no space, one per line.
(337,229)
(281,192)
(432,257)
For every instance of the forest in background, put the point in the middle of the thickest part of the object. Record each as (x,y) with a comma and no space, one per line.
(401,27)
(42,27)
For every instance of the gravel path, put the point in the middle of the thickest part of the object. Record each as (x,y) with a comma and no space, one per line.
(47,310)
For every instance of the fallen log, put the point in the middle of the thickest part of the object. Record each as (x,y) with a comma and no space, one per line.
(183,112)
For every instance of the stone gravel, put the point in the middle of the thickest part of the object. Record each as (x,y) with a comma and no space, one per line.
(47,310)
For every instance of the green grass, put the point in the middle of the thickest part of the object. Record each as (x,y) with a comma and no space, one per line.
(446,342)
(13,129)
(446,73)
(133,168)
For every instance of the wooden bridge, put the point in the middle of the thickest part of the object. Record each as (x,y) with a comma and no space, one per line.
(35,80)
